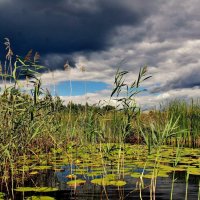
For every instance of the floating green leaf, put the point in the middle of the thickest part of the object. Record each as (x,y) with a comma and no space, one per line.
(101,181)
(36,189)
(76,182)
(2,196)
(118,183)
(194,171)
(41,167)
(33,172)
(40,198)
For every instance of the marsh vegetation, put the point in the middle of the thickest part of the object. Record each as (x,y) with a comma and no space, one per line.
(51,151)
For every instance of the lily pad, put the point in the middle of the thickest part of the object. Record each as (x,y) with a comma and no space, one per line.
(136,175)
(101,181)
(111,177)
(40,198)
(194,171)
(24,169)
(109,180)
(33,172)
(36,189)
(76,182)
(41,167)
(2,195)
(95,173)
(118,183)
(159,174)
(71,176)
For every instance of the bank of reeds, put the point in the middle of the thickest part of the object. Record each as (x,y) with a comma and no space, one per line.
(28,115)
(186,115)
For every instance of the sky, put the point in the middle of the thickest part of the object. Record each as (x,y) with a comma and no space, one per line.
(102,35)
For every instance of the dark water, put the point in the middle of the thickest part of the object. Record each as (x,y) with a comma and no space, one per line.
(94,192)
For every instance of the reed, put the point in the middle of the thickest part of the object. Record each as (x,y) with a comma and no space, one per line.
(24,113)
(189,116)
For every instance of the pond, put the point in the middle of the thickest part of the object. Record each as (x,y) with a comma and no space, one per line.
(109,171)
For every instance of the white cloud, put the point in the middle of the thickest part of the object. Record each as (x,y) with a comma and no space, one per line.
(167,42)
(102,97)
(170,64)
(145,102)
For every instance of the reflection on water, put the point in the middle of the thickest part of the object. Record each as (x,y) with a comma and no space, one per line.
(111,171)
(91,191)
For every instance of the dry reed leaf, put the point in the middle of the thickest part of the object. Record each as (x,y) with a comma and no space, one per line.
(28,56)
(36,57)
(67,66)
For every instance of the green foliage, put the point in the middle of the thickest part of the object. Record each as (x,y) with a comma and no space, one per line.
(125,93)
(27,114)
(155,136)
(188,114)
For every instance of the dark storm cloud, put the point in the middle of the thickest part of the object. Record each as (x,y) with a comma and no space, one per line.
(66,26)
(185,80)
(57,61)
(162,34)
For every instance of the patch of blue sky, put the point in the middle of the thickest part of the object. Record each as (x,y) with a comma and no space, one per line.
(78,88)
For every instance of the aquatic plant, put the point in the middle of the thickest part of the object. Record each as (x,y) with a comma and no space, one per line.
(24,112)
(125,94)
(157,136)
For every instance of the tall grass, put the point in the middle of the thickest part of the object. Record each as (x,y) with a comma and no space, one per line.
(188,114)
(164,125)
(28,115)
